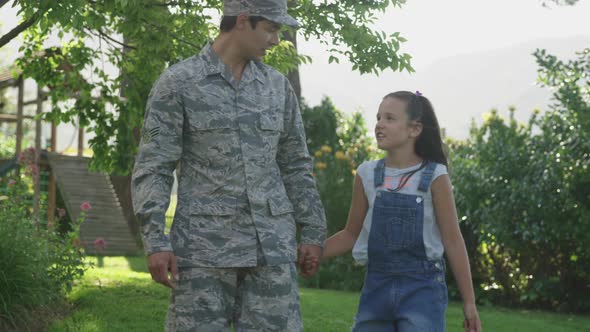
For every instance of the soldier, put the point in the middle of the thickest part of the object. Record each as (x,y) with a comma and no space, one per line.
(231,127)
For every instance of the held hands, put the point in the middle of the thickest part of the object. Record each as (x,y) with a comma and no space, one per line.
(309,258)
(471,322)
(160,265)
(310,264)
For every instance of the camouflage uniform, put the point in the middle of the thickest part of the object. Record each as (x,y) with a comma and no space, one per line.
(245,184)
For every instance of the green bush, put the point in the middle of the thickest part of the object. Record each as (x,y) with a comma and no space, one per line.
(37,266)
(7,146)
(338,143)
(523,195)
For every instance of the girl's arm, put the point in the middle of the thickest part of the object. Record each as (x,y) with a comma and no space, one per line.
(446,217)
(344,240)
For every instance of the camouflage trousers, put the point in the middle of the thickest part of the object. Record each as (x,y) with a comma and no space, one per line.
(262,298)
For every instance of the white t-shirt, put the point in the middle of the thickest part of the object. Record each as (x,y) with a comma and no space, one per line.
(430,233)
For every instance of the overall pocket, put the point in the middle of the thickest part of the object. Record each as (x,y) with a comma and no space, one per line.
(400,227)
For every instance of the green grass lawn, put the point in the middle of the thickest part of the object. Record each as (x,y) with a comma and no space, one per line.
(120,296)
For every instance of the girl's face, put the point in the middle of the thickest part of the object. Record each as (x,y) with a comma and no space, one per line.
(394,128)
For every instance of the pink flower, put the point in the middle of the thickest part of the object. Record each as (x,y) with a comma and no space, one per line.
(85,206)
(33,169)
(11,183)
(22,159)
(100,244)
(27,156)
(61,212)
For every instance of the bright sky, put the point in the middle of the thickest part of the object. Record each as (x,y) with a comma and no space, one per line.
(435,29)
(440,28)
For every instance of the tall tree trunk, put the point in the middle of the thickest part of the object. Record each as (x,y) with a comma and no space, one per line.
(293,76)
(122,183)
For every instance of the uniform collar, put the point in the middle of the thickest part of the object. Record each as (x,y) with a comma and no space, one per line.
(214,66)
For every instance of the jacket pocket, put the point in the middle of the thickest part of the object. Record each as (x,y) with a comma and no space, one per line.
(280,206)
(271,121)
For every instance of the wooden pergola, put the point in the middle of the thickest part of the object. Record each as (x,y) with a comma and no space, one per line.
(8,80)
(109,218)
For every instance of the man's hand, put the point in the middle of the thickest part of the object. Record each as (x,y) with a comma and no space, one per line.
(309,253)
(160,264)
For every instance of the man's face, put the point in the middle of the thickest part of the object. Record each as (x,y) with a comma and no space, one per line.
(257,41)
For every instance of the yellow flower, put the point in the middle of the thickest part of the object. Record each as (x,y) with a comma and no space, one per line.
(326,149)
(318,154)
(486,116)
(354,172)
(321,165)
(340,155)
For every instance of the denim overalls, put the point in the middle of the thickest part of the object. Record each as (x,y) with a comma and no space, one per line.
(404,291)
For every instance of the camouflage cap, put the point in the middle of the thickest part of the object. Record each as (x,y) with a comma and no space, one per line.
(272,10)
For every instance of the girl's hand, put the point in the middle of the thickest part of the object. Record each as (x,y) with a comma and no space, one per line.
(472,322)
(310,263)
(307,254)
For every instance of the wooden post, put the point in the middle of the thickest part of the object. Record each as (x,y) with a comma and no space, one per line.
(37,175)
(51,190)
(53,146)
(293,75)
(19,116)
(80,139)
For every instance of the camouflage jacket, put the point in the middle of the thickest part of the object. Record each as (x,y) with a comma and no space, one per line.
(244,172)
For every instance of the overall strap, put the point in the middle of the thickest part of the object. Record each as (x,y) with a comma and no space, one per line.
(427,177)
(379,173)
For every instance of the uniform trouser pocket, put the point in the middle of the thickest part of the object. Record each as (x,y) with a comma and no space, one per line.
(264,298)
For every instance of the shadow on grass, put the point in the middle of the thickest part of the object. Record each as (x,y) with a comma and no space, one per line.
(135,306)
(137,263)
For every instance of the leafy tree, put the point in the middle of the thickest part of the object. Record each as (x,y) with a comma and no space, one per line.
(141,37)
(561,2)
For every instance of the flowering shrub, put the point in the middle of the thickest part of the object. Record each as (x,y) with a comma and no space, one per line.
(38,265)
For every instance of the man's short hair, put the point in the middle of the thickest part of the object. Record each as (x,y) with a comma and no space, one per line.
(229,22)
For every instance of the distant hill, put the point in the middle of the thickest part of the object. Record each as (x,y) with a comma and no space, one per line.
(461,87)
(466,86)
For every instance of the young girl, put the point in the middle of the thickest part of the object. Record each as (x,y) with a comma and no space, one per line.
(401,220)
